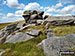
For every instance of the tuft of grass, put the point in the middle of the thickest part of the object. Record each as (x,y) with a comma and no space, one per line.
(64,30)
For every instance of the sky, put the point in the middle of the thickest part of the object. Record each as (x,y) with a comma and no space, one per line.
(12,10)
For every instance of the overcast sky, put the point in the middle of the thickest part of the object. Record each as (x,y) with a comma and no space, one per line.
(12,10)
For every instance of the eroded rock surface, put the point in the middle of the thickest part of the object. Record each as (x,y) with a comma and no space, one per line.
(34,32)
(54,45)
(32,16)
(61,20)
(19,36)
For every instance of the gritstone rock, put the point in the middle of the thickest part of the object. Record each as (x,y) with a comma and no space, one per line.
(54,45)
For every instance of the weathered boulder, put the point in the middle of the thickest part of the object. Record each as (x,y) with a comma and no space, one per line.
(45,22)
(63,22)
(18,37)
(11,27)
(32,15)
(8,30)
(60,20)
(20,25)
(54,45)
(34,33)
(39,22)
(26,17)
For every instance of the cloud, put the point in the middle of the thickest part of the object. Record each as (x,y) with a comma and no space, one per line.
(65,10)
(1,14)
(10,15)
(15,4)
(4,2)
(53,8)
(1,9)
(46,13)
(68,9)
(67,1)
(63,15)
(57,5)
(32,6)
(19,13)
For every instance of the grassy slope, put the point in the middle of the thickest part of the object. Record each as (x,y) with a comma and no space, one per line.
(5,24)
(29,48)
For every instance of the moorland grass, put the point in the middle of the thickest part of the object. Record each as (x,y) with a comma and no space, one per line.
(29,48)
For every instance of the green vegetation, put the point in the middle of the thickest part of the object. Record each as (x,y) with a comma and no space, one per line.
(29,48)
(5,24)
(63,30)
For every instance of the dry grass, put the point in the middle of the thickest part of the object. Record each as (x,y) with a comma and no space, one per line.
(29,48)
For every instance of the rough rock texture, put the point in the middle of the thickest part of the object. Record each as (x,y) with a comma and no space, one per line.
(6,36)
(1,52)
(19,36)
(34,32)
(60,20)
(39,22)
(49,33)
(32,15)
(20,25)
(23,28)
(8,30)
(53,45)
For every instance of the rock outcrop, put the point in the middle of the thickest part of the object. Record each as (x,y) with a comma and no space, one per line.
(53,46)
(12,28)
(32,16)
(8,30)
(19,36)
(61,20)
